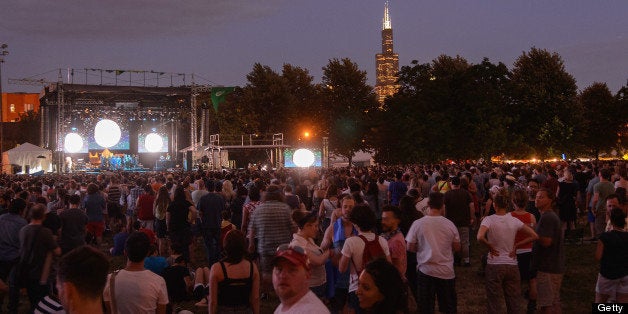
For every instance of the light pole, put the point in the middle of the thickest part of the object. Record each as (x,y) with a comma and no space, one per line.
(3,52)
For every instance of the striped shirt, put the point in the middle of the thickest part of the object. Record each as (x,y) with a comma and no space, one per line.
(271,224)
(49,305)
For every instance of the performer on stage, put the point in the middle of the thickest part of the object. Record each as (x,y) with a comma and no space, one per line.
(68,164)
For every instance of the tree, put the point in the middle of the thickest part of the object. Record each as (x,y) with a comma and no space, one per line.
(543,103)
(348,100)
(271,103)
(449,109)
(604,119)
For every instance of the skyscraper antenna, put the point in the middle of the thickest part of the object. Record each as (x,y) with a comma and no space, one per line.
(386,24)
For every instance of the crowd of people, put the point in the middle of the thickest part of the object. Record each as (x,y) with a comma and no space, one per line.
(348,240)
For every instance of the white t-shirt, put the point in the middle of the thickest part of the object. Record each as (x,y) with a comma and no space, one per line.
(354,249)
(501,233)
(137,291)
(308,304)
(422,206)
(434,236)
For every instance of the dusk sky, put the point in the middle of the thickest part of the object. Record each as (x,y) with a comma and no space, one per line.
(220,41)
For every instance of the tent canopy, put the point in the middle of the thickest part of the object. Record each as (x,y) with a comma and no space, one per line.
(27,154)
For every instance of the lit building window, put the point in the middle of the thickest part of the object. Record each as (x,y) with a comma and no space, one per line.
(28,107)
(12,108)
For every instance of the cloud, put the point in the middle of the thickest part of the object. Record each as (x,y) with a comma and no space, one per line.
(130,19)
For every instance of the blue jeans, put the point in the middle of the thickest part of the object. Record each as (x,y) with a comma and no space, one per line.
(211,237)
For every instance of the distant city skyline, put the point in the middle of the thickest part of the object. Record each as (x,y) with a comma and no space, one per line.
(220,41)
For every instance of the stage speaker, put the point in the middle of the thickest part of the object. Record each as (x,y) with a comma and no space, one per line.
(188,161)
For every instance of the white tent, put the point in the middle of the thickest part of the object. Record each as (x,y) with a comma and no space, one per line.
(27,154)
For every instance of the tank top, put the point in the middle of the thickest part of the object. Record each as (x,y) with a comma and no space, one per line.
(526,218)
(235,292)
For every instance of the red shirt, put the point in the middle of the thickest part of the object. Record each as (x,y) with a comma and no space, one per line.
(144,207)
(526,218)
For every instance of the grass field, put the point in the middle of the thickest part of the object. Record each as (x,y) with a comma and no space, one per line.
(577,294)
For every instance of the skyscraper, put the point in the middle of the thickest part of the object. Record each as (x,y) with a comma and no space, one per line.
(387,62)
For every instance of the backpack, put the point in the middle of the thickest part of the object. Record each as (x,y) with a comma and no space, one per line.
(372,251)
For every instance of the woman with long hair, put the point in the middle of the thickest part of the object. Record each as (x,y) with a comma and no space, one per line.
(381,289)
(160,206)
(179,217)
(234,281)
(567,194)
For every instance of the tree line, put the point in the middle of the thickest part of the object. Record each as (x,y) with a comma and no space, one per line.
(448,108)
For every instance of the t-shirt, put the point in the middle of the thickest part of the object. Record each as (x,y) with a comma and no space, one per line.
(210,208)
(457,207)
(119,239)
(308,304)
(434,236)
(502,230)
(614,262)
(137,291)
(40,239)
(526,219)
(179,210)
(10,225)
(175,282)
(397,190)
(49,305)
(144,207)
(549,259)
(354,249)
(397,247)
(604,189)
(73,223)
(156,264)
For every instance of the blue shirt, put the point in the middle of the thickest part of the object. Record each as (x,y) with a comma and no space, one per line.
(10,225)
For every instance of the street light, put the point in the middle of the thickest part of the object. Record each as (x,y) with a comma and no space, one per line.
(3,52)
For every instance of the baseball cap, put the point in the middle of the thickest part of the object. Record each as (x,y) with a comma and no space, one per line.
(295,255)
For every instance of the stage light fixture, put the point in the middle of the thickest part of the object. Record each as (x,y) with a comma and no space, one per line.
(73,142)
(107,133)
(153,142)
(303,157)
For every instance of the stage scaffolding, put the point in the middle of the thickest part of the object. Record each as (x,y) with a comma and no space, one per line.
(62,105)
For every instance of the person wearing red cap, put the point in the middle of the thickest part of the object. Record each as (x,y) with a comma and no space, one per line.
(291,274)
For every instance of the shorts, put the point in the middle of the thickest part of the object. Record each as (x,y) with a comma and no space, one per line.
(523,262)
(200,291)
(548,286)
(96,228)
(590,217)
(611,286)
(160,228)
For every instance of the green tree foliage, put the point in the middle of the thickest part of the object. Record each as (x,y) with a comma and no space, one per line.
(271,103)
(604,119)
(543,103)
(347,99)
(449,109)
